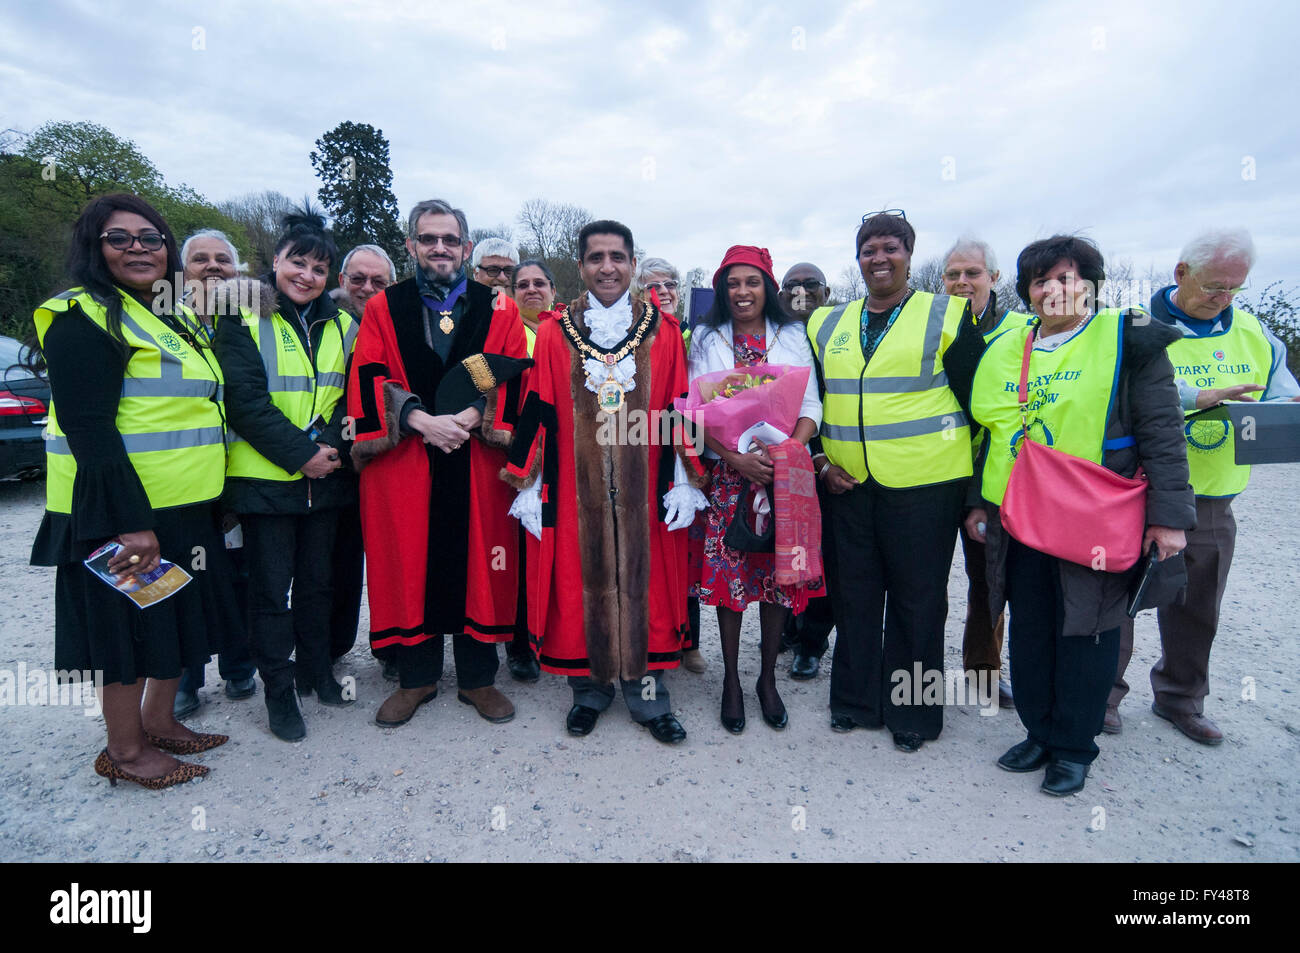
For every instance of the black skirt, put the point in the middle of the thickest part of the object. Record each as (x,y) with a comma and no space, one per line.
(98,628)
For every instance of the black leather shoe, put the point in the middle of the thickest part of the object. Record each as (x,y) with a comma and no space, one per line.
(391,672)
(330,692)
(908,741)
(733,725)
(665,728)
(777,719)
(842,723)
(241,688)
(186,703)
(581,720)
(805,666)
(523,667)
(1029,755)
(284,716)
(1063,778)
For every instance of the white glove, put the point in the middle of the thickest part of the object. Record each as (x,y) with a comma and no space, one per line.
(527,508)
(682,503)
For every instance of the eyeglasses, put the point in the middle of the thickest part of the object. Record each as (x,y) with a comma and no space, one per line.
(1213,291)
(492,271)
(970,273)
(122,240)
(808,284)
(430,241)
(360,281)
(895,212)
(541,284)
(661,285)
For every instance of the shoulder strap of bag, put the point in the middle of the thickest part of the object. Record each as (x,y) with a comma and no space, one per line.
(1022,393)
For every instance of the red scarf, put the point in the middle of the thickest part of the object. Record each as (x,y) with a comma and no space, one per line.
(798,515)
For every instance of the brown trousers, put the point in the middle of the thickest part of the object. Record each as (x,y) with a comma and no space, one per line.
(1181,679)
(981,642)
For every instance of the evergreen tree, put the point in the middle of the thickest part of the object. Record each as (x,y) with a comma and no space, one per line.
(351,160)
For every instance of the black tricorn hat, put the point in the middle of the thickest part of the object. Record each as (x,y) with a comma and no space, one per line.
(473,377)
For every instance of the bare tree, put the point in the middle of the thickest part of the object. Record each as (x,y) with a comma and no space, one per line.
(499,230)
(260,214)
(551,234)
(850,287)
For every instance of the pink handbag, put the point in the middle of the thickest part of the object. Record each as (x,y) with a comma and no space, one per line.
(1069,507)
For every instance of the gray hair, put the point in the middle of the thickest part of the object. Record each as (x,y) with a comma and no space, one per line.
(435,207)
(497,247)
(374,250)
(210,233)
(654,266)
(1233,244)
(969,245)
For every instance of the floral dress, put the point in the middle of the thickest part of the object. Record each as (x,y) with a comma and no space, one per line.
(729,577)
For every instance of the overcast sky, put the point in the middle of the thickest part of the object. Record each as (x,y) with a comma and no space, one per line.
(706,124)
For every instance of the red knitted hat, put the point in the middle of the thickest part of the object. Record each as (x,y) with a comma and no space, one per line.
(744,255)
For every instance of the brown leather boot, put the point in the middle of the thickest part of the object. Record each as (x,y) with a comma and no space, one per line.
(399,707)
(693,661)
(488,702)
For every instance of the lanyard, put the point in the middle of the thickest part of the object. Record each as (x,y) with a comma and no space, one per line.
(869,341)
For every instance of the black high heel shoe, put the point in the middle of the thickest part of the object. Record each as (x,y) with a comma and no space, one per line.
(777,720)
(733,725)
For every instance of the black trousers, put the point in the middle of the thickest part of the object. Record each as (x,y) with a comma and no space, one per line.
(520,646)
(1060,682)
(284,552)
(347,570)
(893,550)
(421,665)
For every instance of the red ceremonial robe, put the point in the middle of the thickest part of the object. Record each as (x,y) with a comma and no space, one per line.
(440,544)
(607,593)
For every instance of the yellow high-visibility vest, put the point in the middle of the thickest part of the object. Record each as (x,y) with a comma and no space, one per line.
(894,419)
(1009,320)
(1241,354)
(302,385)
(1071,391)
(170,413)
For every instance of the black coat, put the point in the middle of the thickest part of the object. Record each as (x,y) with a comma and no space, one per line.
(1149,408)
(255,418)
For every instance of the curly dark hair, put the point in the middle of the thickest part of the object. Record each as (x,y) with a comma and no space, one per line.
(1039,257)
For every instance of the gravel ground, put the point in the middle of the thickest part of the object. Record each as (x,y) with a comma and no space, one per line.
(449,786)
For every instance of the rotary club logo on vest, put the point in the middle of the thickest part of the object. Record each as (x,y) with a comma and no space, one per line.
(171,342)
(286,340)
(1206,435)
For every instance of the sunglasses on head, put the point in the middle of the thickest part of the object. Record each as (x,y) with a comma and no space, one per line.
(895,212)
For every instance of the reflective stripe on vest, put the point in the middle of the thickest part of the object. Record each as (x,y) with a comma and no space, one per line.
(895,413)
(299,389)
(1239,355)
(1071,391)
(169,413)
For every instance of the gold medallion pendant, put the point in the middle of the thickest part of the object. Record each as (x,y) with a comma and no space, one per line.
(446,325)
(609,396)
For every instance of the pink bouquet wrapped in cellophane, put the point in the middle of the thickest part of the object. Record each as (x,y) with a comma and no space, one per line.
(727,403)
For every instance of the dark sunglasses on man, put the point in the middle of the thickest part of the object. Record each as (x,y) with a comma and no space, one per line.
(492,271)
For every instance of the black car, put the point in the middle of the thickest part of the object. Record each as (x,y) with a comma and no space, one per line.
(24,403)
